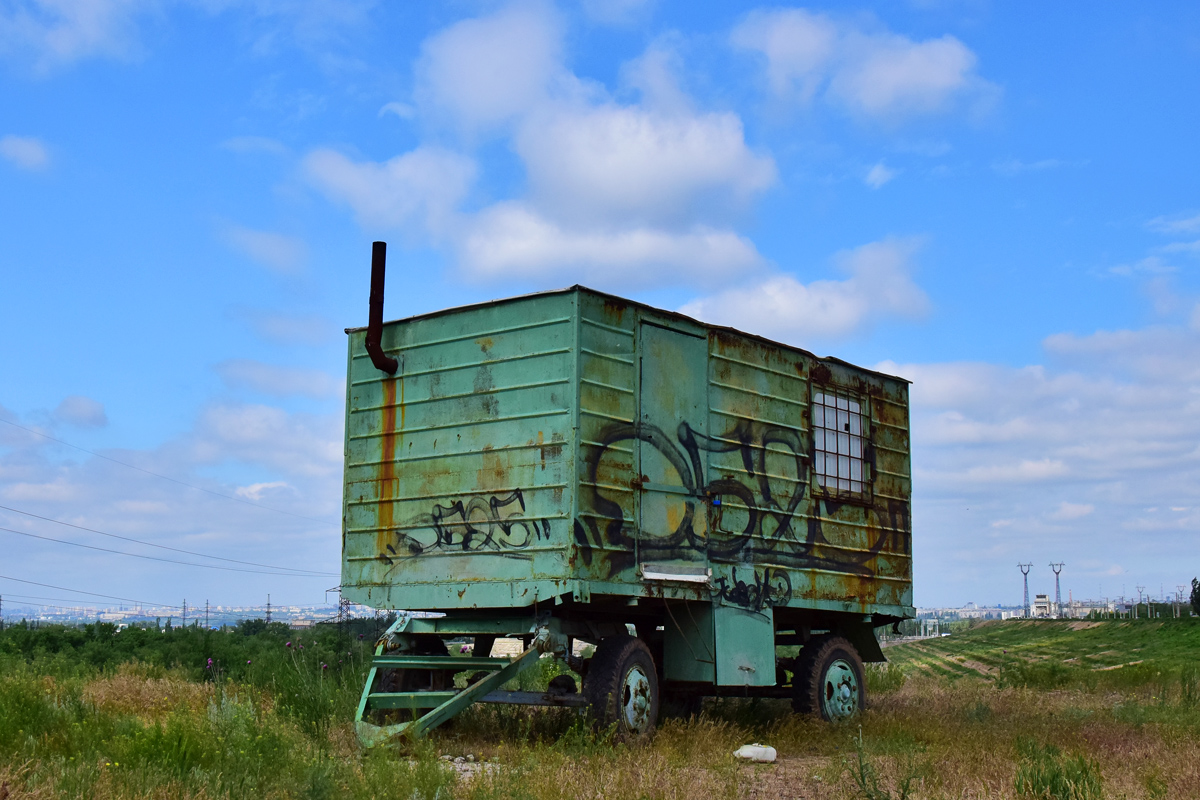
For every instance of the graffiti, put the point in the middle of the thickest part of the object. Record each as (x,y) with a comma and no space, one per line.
(772,523)
(494,523)
(771,588)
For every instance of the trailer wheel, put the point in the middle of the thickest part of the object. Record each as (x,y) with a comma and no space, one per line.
(828,680)
(622,686)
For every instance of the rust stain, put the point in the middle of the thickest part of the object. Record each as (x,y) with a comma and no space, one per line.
(495,470)
(615,310)
(486,343)
(387,467)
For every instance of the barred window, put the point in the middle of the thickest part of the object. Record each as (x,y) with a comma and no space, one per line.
(840,429)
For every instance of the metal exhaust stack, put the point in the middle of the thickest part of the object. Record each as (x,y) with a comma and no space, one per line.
(375,319)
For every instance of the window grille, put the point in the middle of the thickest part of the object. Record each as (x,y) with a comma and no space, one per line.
(840,431)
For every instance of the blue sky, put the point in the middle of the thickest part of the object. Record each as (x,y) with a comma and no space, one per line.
(997,201)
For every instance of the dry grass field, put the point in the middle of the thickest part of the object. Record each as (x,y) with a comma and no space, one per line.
(1008,710)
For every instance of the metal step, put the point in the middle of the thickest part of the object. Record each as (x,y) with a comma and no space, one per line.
(442,705)
(394,700)
(456,663)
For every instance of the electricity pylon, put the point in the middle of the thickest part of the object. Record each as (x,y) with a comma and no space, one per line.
(1057,592)
(1025,571)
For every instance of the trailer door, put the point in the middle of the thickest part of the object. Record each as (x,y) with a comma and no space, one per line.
(672,424)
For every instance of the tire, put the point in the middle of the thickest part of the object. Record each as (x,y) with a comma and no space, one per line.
(828,681)
(621,687)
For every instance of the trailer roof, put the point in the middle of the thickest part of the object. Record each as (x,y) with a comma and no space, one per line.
(675,314)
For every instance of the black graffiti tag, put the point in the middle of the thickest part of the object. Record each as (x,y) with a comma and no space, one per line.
(494,523)
(783,540)
(771,587)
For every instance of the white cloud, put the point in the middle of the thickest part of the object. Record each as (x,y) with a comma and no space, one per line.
(401,110)
(1191,248)
(879,175)
(277,381)
(1068,511)
(510,240)
(487,70)
(81,411)
(798,46)
(264,435)
(1024,471)
(261,455)
(420,189)
(879,284)
(624,164)
(1175,224)
(280,253)
(641,192)
(871,73)
(262,491)
(53,33)
(1081,454)
(26,152)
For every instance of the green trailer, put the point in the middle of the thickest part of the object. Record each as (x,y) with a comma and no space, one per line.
(571,468)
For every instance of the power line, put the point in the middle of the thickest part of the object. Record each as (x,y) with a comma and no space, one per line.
(156,558)
(92,594)
(25,603)
(39,597)
(165,477)
(165,547)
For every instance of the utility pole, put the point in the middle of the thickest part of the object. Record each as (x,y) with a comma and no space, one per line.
(205,615)
(1139,590)
(1025,571)
(1,612)
(1057,592)
(268,609)
(184,625)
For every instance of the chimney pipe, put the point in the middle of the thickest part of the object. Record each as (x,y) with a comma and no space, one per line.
(375,319)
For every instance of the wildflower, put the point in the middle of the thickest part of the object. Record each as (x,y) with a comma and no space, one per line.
(324,666)
(209,664)
(247,661)
(360,637)
(289,644)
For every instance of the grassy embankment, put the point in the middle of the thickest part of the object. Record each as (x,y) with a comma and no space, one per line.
(1024,709)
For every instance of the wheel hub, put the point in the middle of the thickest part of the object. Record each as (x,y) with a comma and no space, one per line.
(839,691)
(635,700)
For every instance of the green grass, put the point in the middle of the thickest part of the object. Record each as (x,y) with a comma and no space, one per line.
(94,713)
(1055,654)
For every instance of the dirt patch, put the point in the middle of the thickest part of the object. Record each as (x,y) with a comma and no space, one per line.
(147,697)
(978,666)
(1083,625)
(788,779)
(1118,666)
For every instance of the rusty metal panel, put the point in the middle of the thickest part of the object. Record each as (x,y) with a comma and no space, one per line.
(459,468)
(672,405)
(510,458)
(608,501)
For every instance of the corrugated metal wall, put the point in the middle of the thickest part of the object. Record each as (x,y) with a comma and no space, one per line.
(514,445)
(459,468)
